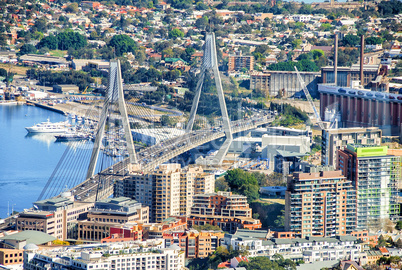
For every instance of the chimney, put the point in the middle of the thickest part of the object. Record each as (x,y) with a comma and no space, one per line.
(361,60)
(336,60)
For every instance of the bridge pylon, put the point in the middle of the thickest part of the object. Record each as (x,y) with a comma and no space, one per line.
(114,97)
(210,62)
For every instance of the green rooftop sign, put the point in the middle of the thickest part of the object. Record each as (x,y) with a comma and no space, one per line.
(368,151)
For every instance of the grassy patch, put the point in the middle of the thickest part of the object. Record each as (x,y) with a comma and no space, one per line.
(58,53)
(269,200)
(20,70)
(268,212)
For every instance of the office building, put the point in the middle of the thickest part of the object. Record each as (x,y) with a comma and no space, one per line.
(335,139)
(56,216)
(224,209)
(108,213)
(238,61)
(168,190)
(376,177)
(320,203)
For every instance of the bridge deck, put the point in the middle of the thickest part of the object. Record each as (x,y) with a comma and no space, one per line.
(157,154)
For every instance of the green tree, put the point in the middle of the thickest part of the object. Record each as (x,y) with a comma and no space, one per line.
(374,40)
(260,263)
(201,23)
(351,40)
(123,44)
(49,42)
(72,8)
(3,72)
(166,121)
(26,49)
(280,220)
(175,33)
(70,39)
(398,225)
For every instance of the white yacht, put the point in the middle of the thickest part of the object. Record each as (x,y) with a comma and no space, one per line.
(49,127)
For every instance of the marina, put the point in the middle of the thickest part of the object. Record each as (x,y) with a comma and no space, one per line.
(38,152)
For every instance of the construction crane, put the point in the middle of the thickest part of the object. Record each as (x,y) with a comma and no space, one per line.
(310,100)
(85,91)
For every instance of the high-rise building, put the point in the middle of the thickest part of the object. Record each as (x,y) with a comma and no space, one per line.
(335,139)
(239,61)
(375,176)
(320,203)
(168,190)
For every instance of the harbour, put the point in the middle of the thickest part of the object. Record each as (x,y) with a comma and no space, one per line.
(26,161)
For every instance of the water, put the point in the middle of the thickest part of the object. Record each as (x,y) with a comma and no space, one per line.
(26,162)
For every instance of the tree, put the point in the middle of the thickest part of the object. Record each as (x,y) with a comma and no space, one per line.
(260,263)
(3,72)
(175,33)
(280,220)
(49,42)
(398,225)
(123,44)
(165,120)
(351,40)
(374,40)
(72,8)
(201,23)
(70,39)
(26,49)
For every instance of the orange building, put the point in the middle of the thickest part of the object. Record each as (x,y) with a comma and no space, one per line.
(366,237)
(11,256)
(224,209)
(195,244)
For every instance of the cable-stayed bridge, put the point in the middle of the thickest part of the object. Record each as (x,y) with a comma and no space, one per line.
(114,149)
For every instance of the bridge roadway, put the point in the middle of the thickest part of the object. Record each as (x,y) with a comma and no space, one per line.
(152,156)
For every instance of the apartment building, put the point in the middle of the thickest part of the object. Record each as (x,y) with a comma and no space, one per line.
(335,139)
(224,209)
(309,249)
(239,61)
(56,216)
(320,203)
(137,255)
(108,213)
(195,244)
(376,177)
(168,190)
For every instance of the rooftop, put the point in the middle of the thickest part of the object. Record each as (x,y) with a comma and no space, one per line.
(34,237)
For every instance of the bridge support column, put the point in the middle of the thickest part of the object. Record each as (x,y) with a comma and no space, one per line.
(210,62)
(114,94)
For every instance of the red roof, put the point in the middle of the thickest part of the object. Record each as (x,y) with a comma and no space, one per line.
(224,265)
(383,250)
(241,259)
